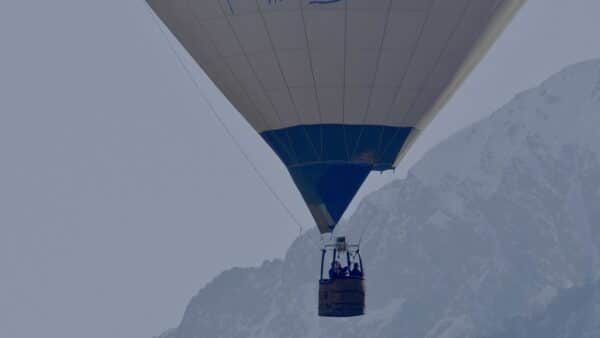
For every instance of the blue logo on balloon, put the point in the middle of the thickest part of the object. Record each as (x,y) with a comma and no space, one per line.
(271,2)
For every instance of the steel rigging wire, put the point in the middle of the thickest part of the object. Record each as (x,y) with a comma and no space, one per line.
(222,122)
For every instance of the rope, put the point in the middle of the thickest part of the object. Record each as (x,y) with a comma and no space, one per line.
(222,122)
(371,219)
(363,233)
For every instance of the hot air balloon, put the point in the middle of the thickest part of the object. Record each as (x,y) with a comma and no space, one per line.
(337,88)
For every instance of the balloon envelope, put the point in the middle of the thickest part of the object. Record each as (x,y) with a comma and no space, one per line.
(337,88)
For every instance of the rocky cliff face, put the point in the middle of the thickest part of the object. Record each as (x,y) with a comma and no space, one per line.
(490,224)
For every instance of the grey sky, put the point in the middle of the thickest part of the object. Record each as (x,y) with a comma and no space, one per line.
(120,195)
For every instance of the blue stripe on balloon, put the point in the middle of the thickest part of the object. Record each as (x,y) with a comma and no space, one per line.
(374,145)
(329,162)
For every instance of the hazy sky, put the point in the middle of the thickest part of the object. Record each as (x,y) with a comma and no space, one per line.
(120,195)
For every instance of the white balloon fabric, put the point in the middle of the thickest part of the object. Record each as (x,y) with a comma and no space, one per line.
(337,88)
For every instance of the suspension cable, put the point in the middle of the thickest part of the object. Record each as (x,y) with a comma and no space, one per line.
(222,122)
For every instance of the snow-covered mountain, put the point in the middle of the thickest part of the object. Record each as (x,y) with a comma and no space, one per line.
(575,313)
(491,224)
